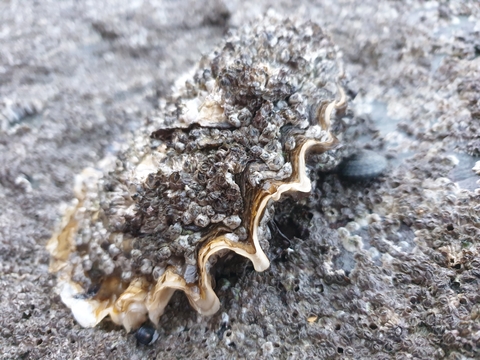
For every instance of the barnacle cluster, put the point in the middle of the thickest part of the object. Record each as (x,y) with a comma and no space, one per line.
(200,177)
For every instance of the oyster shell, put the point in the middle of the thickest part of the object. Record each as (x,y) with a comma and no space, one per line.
(200,177)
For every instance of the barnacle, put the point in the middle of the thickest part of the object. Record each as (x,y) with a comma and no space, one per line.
(200,177)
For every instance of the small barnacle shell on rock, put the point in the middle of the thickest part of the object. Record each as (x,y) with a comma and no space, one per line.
(232,222)
(476,168)
(200,177)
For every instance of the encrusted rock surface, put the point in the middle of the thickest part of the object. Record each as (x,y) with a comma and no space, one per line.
(381,269)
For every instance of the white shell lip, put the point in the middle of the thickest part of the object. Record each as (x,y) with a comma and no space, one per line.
(83,311)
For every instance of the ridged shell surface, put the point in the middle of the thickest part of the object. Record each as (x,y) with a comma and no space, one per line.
(200,177)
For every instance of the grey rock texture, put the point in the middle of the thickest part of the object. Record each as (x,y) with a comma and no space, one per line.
(382,269)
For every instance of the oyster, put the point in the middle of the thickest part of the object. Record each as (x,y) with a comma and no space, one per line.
(200,177)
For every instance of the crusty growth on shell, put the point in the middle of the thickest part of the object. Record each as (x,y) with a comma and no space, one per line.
(200,177)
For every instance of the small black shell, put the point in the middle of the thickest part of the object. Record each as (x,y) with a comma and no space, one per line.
(363,165)
(146,335)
